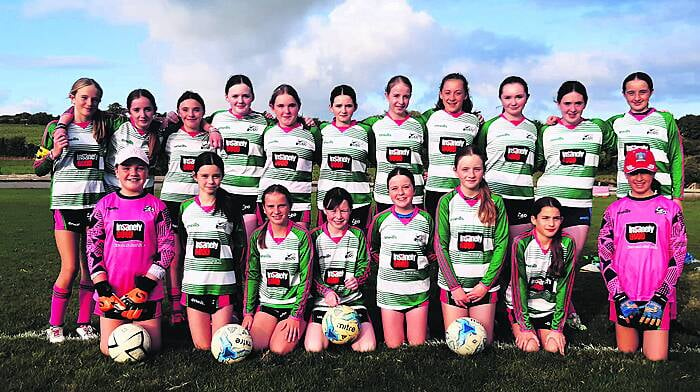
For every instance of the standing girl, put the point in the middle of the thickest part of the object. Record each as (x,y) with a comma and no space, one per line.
(183,142)
(291,151)
(451,126)
(341,269)
(542,277)
(213,239)
(130,244)
(644,127)
(347,149)
(400,240)
(278,277)
(470,243)
(509,141)
(244,159)
(642,246)
(400,141)
(74,155)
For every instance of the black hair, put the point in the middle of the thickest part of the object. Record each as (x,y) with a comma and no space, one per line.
(556,267)
(239,79)
(512,80)
(335,197)
(191,95)
(398,79)
(572,86)
(638,76)
(467,104)
(401,171)
(141,93)
(344,89)
(153,144)
(223,200)
(285,89)
(274,188)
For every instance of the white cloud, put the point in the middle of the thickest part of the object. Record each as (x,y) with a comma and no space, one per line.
(26,105)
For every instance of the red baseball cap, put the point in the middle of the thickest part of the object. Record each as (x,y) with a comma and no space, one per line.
(639,159)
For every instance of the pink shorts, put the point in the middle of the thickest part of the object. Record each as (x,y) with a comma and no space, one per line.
(669,313)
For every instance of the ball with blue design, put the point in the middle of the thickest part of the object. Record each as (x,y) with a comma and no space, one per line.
(341,324)
(231,343)
(466,336)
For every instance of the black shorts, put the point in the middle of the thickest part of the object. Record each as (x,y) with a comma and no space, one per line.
(278,313)
(537,323)
(76,221)
(207,303)
(575,216)
(432,199)
(359,217)
(174,210)
(518,211)
(317,315)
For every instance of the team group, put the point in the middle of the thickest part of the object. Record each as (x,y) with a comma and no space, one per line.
(229,237)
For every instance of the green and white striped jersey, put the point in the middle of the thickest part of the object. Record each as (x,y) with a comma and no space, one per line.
(338,259)
(447,133)
(399,143)
(209,250)
(280,275)
(403,248)
(182,149)
(242,151)
(570,159)
(345,156)
(536,294)
(656,131)
(77,174)
(124,134)
(469,251)
(510,156)
(291,153)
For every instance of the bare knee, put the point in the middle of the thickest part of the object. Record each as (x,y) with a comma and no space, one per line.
(313,346)
(363,347)
(282,349)
(531,347)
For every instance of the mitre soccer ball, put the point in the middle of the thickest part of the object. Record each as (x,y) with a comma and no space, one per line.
(341,324)
(231,343)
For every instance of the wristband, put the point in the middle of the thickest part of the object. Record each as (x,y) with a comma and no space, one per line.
(103,289)
(145,284)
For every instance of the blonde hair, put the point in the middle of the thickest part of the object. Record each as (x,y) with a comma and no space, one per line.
(99,122)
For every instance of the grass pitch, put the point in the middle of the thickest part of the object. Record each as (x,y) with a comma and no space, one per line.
(29,264)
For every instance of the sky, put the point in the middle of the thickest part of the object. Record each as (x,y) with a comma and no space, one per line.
(170,46)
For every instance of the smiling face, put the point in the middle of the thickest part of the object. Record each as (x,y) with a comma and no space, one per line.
(191,112)
(401,192)
(286,109)
(208,179)
(132,175)
(637,93)
(470,171)
(398,97)
(547,222)
(85,102)
(339,217)
(142,112)
(240,97)
(453,95)
(640,182)
(571,107)
(276,208)
(343,108)
(513,99)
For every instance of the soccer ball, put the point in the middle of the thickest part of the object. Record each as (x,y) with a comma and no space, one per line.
(231,343)
(466,336)
(341,324)
(128,343)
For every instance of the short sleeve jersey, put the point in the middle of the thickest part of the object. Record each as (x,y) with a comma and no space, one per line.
(510,156)
(344,160)
(242,151)
(658,132)
(182,149)
(570,156)
(125,134)
(447,133)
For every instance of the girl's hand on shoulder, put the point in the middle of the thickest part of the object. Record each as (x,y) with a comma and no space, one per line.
(171,118)
(292,327)
(477,292)
(215,139)
(551,120)
(309,121)
(247,321)
(331,298)
(351,283)
(460,297)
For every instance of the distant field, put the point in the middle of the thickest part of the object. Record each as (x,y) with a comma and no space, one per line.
(16,166)
(32,133)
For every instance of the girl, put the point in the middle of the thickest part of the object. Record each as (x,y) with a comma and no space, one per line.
(642,245)
(278,277)
(291,151)
(451,126)
(183,142)
(130,245)
(347,149)
(242,152)
(542,277)
(470,243)
(74,155)
(400,241)
(509,142)
(341,268)
(213,238)
(400,141)
(644,127)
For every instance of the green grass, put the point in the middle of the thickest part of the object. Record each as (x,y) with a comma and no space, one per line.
(32,133)
(29,263)
(16,166)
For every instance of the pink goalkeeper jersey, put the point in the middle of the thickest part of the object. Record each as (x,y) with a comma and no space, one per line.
(128,237)
(642,247)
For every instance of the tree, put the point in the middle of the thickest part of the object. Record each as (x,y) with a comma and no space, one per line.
(116,109)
